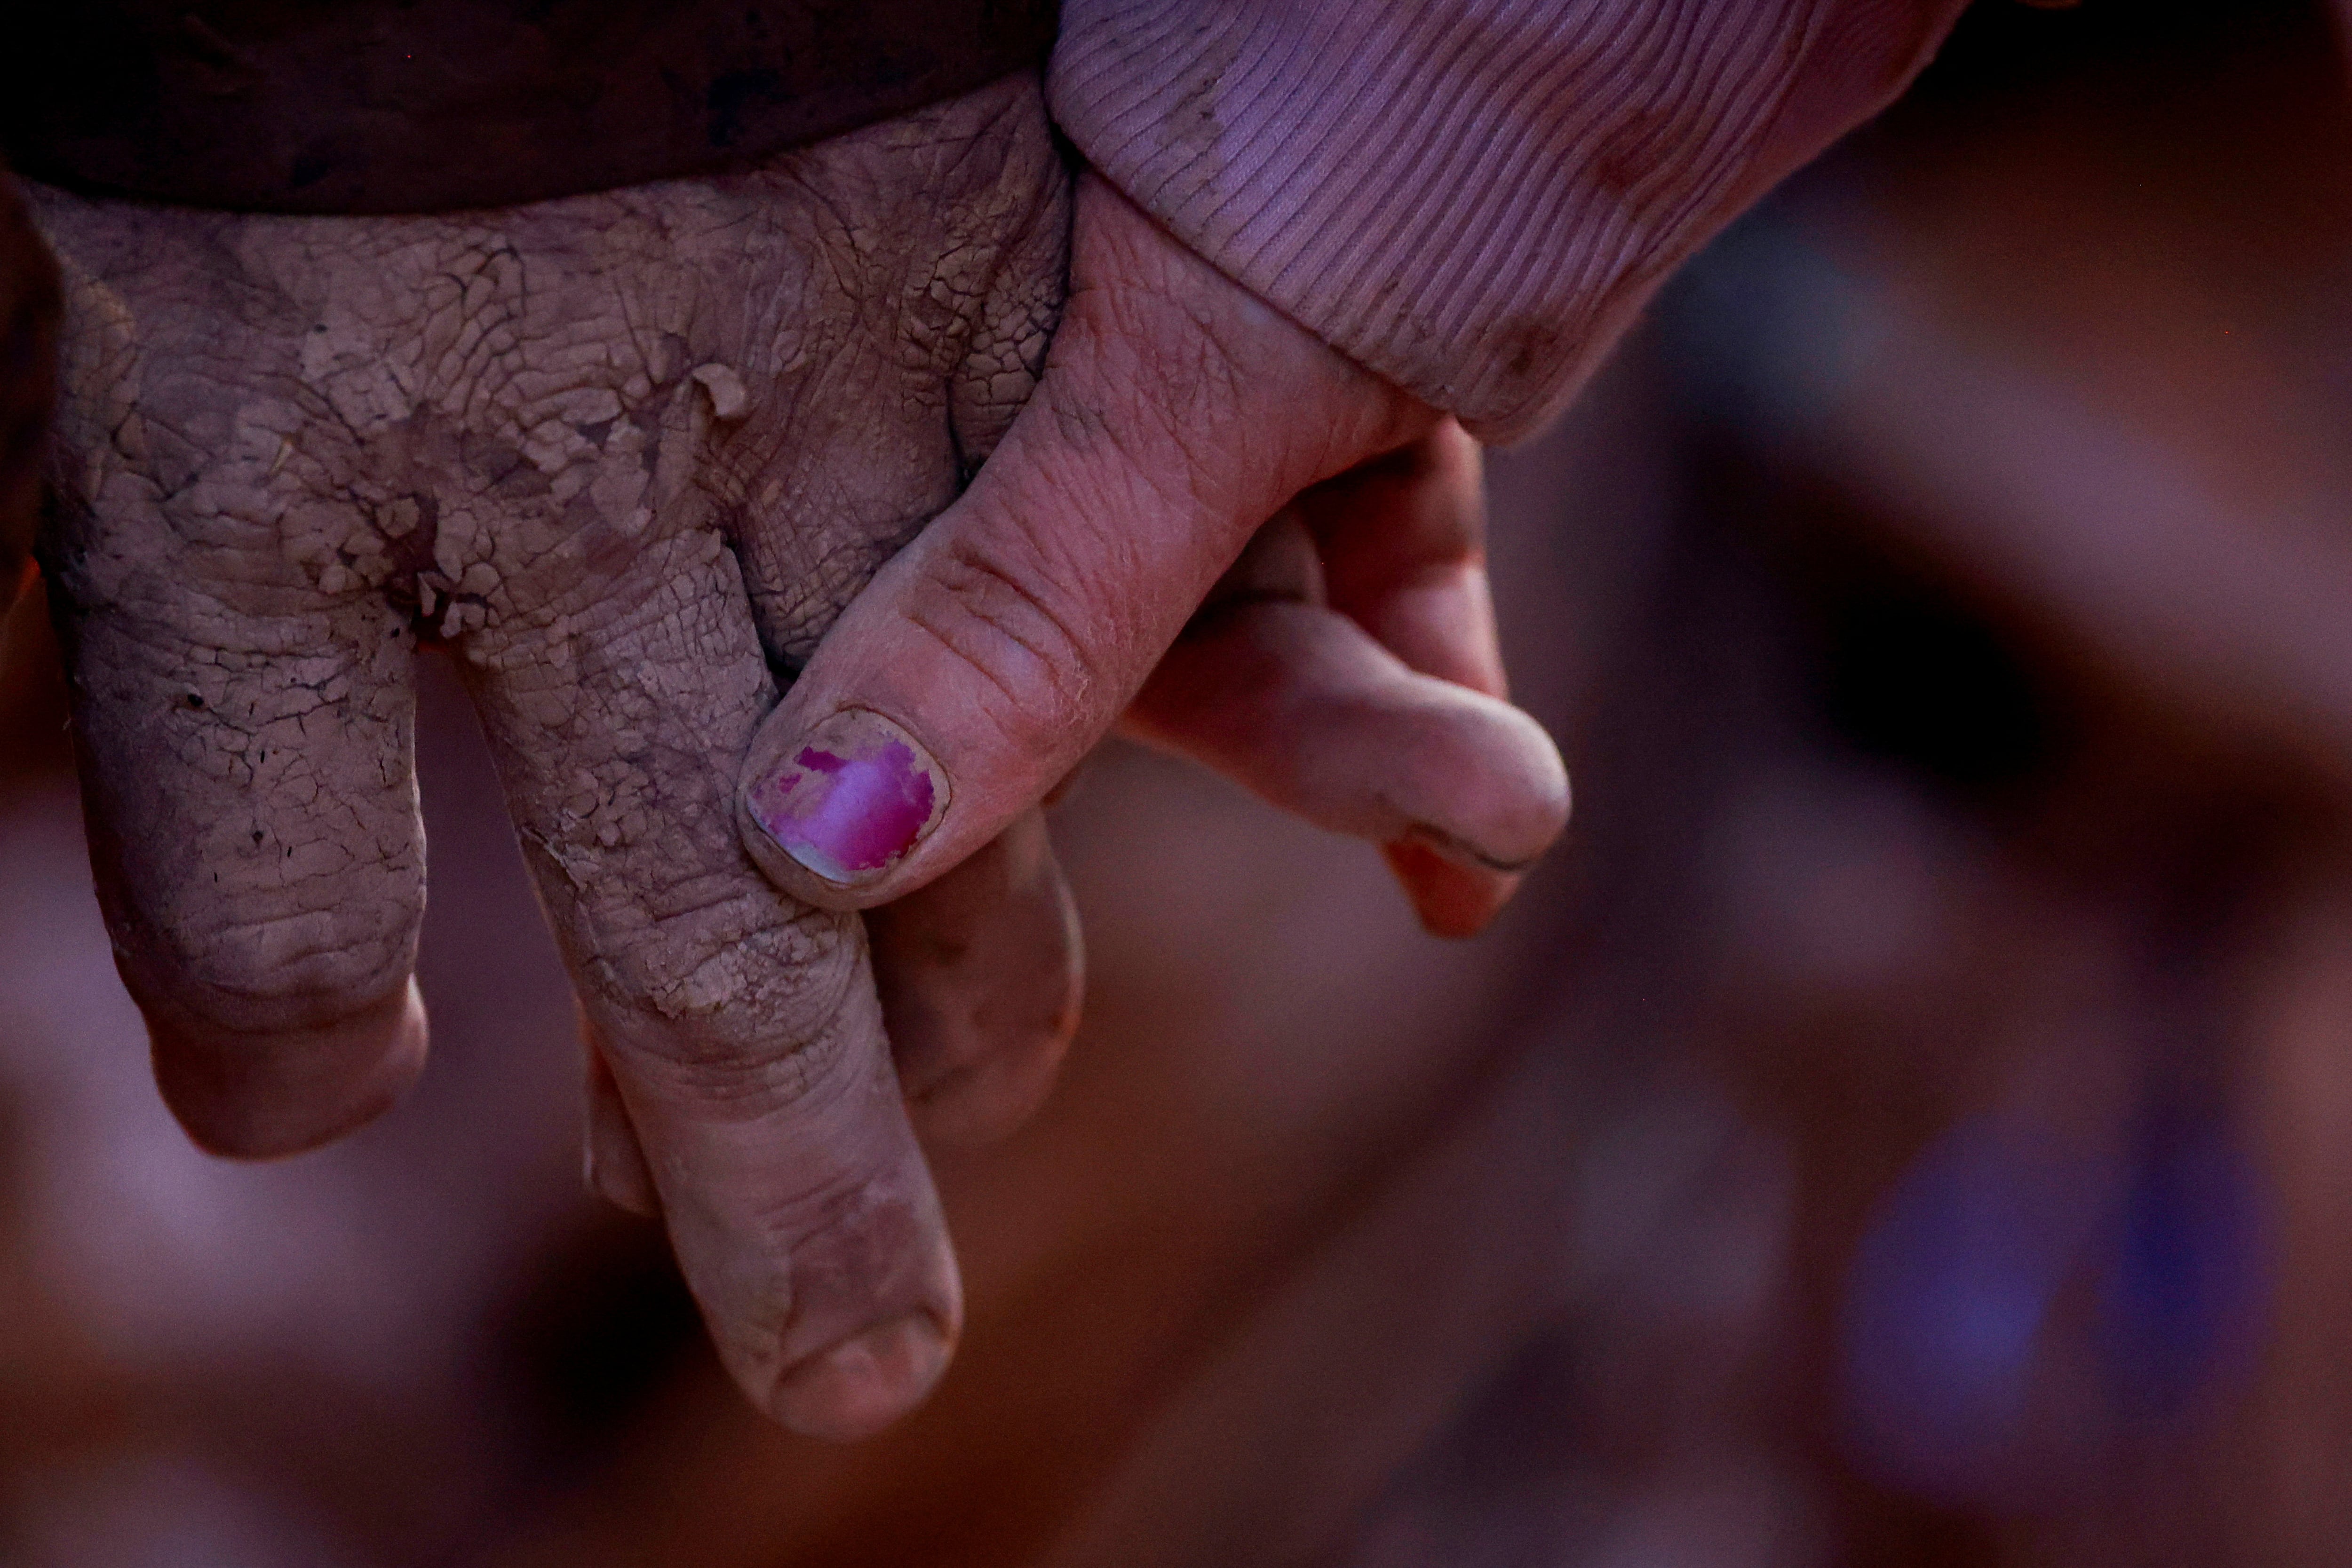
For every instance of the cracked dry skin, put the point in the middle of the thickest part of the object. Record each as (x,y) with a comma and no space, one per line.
(627,454)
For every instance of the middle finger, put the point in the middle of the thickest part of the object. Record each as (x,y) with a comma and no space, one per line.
(741,1029)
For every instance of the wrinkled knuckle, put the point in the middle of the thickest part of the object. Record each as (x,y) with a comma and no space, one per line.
(730,1011)
(1002,612)
(244,972)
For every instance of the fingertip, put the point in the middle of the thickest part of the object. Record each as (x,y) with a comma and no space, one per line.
(862,1383)
(831,815)
(1509,798)
(1465,859)
(1483,786)
(1304,708)
(982,977)
(837,1331)
(613,1161)
(253,1096)
(984,1101)
(1451,900)
(619,1179)
(799,1205)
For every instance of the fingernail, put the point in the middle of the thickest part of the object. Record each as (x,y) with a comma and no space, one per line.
(856,1388)
(1462,853)
(853,800)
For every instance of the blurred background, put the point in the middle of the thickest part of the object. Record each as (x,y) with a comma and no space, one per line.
(1909,1122)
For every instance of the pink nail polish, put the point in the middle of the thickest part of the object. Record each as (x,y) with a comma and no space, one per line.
(852,799)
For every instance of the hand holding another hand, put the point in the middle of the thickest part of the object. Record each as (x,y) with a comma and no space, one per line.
(627,456)
(1345,667)
(623,455)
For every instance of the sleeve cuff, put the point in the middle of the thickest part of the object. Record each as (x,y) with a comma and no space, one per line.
(1472,198)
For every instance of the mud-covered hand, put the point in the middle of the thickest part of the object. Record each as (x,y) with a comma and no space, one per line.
(624,454)
(1345,667)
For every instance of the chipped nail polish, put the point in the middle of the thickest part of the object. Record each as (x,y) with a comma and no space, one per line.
(852,799)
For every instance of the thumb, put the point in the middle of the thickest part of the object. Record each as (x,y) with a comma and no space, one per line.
(1174,414)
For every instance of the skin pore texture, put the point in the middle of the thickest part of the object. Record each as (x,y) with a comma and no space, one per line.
(626,456)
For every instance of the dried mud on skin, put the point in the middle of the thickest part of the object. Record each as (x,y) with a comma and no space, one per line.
(627,454)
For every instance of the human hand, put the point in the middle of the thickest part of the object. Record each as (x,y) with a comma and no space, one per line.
(624,455)
(207,424)
(1345,668)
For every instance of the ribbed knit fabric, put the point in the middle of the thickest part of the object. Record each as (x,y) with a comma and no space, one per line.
(1472,197)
